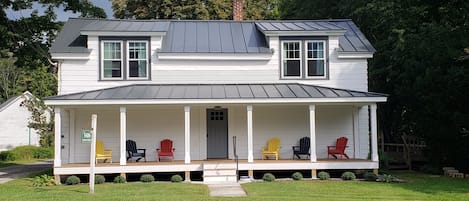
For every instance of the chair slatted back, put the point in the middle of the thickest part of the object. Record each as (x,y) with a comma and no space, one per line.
(131,146)
(99,147)
(341,143)
(273,144)
(166,145)
(304,144)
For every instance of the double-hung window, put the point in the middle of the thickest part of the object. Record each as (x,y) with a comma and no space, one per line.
(315,59)
(124,59)
(303,59)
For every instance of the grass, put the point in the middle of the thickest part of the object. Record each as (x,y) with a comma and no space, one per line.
(418,187)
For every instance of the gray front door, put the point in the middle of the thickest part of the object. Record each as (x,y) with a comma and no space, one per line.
(217,133)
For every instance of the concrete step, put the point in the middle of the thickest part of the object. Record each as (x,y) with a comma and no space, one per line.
(228,172)
(219,166)
(208,179)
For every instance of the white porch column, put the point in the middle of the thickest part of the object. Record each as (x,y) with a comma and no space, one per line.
(250,146)
(72,136)
(312,132)
(356,132)
(57,136)
(374,133)
(187,134)
(123,135)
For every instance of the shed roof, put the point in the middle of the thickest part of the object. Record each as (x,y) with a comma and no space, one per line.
(215,91)
(210,36)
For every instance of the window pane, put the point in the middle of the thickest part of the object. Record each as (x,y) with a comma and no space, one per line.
(138,68)
(316,48)
(112,50)
(315,68)
(292,68)
(291,49)
(112,69)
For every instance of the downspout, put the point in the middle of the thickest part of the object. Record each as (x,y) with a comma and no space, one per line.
(29,134)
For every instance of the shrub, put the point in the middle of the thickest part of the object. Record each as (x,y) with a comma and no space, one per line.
(324,175)
(43,152)
(119,179)
(370,176)
(176,178)
(99,179)
(72,180)
(147,178)
(386,178)
(43,180)
(297,176)
(268,177)
(348,176)
(7,156)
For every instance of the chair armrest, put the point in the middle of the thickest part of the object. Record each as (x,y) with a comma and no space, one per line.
(329,147)
(108,151)
(144,150)
(174,149)
(264,148)
(157,150)
(295,148)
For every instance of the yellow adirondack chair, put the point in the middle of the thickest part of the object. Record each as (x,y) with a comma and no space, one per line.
(102,153)
(272,149)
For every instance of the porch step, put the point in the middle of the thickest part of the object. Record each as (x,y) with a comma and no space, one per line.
(219,172)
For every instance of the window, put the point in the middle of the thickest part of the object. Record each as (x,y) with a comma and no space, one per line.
(310,52)
(112,59)
(121,57)
(315,60)
(291,58)
(137,59)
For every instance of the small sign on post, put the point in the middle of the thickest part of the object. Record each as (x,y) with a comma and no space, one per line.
(86,136)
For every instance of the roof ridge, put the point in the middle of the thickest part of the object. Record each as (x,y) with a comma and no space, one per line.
(229,21)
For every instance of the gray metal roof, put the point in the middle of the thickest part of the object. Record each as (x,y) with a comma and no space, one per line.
(127,26)
(214,37)
(297,26)
(214,91)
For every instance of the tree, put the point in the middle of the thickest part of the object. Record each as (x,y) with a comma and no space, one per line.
(420,62)
(192,9)
(41,120)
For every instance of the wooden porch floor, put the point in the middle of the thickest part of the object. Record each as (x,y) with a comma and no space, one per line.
(214,161)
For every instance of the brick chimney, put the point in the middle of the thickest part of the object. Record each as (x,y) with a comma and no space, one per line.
(237,10)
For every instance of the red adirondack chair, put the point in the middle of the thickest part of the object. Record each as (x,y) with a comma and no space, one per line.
(338,149)
(166,149)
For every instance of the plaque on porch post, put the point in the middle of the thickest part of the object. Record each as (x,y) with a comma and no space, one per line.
(86,136)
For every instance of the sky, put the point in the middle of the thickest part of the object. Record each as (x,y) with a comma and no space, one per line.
(61,14)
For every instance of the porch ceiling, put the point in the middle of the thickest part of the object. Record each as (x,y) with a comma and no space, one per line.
(215,93)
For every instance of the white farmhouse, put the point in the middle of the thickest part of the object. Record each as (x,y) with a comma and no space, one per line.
(200,83)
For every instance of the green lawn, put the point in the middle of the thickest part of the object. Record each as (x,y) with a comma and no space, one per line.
(10,163)
(418,187)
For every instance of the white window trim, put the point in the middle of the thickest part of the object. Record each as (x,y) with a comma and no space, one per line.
(121,59)
(128,60)
(282,56)
(315,59)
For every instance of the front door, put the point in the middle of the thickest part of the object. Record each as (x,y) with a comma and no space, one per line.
(217,133)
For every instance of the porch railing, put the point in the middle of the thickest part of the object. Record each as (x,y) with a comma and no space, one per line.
(236,158)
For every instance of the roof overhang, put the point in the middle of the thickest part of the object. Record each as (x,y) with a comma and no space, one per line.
(70,56)
(350,100)
(215,56)
(354,55)
(305,33)
(123,33)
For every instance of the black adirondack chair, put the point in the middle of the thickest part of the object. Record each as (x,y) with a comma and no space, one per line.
(133,152)
(302,149)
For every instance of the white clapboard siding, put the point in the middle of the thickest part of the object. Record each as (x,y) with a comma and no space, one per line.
(83,75)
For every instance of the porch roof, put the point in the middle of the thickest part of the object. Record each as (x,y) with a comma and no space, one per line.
(214,93)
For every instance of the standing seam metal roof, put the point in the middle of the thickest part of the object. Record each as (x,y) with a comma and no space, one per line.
(210,36)
(214,91)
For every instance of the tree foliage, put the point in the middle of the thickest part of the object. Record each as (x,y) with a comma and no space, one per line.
(420,62)
(192,9)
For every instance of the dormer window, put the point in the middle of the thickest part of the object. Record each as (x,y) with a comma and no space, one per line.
(303,59)
(124,59)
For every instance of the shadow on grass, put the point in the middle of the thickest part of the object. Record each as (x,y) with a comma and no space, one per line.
(6,164)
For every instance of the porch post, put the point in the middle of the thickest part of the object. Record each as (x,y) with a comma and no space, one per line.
(356,132)
(250,147)
(374,133)
(123,135)
(312,132)
(57,136)
(187,134)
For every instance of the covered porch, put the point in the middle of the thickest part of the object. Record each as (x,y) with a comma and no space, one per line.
(293,113)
